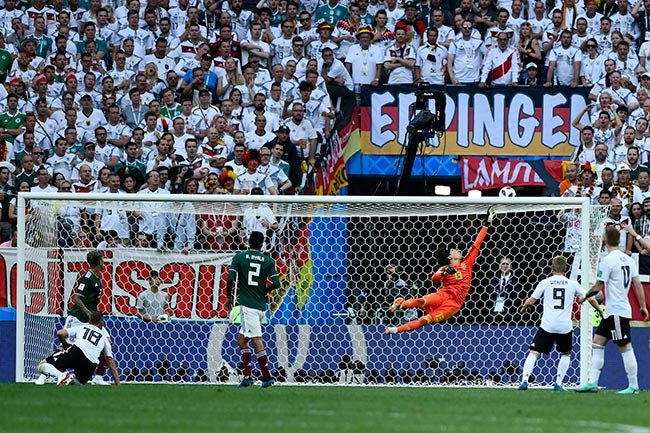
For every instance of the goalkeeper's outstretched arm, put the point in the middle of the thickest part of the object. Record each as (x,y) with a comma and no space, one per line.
(476,246)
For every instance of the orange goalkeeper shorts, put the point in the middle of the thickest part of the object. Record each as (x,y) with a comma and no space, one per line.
(441,306)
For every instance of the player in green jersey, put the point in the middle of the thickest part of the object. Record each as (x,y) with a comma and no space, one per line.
(251,269)
(89,290)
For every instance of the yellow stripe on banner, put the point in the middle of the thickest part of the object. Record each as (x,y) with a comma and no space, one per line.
(305,283)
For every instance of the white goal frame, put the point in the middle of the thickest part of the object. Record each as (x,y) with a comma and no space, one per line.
(323,203)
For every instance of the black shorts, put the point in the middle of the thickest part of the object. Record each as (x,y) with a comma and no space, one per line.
(615,328)
(73,358)
(543,342)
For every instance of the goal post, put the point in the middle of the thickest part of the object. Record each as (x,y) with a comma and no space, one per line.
(333,254)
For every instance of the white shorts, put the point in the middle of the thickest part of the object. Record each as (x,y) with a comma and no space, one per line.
(251,322)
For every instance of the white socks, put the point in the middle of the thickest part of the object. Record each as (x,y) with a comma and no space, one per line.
(562,367)
(597,362)
(529,365)
(631,367)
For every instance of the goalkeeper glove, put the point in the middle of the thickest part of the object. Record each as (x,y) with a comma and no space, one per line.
(489,216)
(449,270)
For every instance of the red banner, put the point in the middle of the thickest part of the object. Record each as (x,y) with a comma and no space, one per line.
(493,173)
(332,177)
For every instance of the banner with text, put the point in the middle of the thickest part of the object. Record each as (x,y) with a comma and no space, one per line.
(195,283)
(495,121)
(491,173)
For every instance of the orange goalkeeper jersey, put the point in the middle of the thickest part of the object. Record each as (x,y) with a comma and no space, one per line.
(458,284)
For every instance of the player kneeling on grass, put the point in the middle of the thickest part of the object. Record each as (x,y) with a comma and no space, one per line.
(91,340)
(252,269)
(558,292)
(456,281)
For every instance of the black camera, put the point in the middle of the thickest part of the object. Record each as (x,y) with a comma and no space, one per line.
(424,93)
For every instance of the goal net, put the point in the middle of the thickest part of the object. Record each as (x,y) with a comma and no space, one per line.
(341,260)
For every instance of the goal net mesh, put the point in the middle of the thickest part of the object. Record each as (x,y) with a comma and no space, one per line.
(326,324)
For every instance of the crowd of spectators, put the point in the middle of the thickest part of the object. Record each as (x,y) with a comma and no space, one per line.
(227,97)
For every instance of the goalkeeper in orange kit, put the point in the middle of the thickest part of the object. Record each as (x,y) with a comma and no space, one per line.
(455,278)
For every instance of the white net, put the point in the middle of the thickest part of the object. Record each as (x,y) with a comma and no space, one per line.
(333,256)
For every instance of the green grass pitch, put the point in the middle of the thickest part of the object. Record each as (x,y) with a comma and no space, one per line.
(314,409)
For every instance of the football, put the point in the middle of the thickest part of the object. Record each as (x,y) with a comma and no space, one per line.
(507,191)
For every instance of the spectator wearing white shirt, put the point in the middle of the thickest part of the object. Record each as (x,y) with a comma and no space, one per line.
(364,61)
(431,61)
(465,57)
(302,133)
(281,47)
(339,83)
(538,19)
(258,218)
(492,33)
(318,107)
(445,33)
(604,36)
(501,64)
(240,19)
(297,55)
(260,136)
(620,95)
(107,220)
(399,59)
(160,57)
(153,223)
(254,46)
(278,176)
(259,107)
(251,178)
(627,62)
(143,40)
(581,33)
(592,16)
(62,161)
(593,64)
(564,63)
(625,22)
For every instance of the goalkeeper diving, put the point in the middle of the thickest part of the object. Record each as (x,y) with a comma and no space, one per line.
(456,279)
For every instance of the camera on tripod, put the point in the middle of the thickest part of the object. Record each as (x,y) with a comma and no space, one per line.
(426,121)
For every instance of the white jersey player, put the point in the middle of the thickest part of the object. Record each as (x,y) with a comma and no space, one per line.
(616,271)
(91,341)
(559,294)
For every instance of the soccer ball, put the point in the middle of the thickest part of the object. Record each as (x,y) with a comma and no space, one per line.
(507,191)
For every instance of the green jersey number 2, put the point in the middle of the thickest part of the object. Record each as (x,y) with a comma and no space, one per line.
(254,274)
